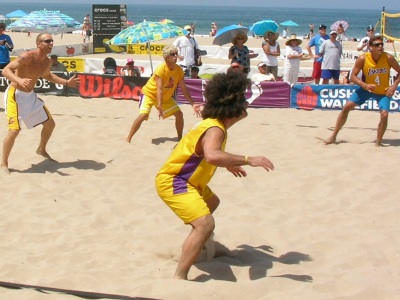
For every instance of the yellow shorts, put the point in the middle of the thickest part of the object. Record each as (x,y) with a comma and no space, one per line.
(188,206)
(14,114)
(169,106)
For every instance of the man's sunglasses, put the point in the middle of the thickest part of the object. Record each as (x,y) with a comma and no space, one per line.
(377,44)
(48,41)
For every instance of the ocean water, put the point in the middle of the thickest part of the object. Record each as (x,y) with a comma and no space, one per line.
(202,16)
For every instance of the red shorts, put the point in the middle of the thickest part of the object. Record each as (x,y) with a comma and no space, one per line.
(316,73)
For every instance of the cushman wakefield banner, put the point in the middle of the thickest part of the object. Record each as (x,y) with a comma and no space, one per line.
(332,97)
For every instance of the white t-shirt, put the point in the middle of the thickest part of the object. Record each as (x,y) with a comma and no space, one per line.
(186,49)
(263,77)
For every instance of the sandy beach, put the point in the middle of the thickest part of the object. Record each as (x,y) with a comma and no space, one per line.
(323,225)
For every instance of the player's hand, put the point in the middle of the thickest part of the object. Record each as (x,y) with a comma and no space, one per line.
(160,112)
(27,83)
(260,161)
(390,91)
(237,171)
(197,109)
(370,87)
(74,81)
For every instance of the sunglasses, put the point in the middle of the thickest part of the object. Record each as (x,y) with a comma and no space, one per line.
(174,54)
(48,41)
(377,44)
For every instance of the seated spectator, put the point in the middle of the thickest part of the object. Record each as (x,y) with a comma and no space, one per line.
(194,72)
(56,66)
(235,67)
(263,75)
(110,66)
(130,69)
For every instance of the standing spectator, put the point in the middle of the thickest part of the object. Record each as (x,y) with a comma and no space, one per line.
(213,30)
(187,46)
(130,69)
(182,182)
(364,42)
(86,29)
(240,53)
(376,65)
(311,33)
(272,51)
(263,74)
(285,33)
(6,46)
(341,33)
(158,92)
(293,55)
(316,42)
(330,50)
(56,65)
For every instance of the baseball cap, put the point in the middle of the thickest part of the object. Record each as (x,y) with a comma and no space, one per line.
(235,64)
(332,32)
(261,64)
(322,26)
(130,61)
(187,27)
(370,27)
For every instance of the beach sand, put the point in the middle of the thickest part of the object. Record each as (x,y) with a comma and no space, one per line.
(323,225)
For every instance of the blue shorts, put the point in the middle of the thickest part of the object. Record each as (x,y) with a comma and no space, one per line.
(328,74)
(360,95)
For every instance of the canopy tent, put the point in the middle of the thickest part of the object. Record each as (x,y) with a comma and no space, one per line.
(16,14)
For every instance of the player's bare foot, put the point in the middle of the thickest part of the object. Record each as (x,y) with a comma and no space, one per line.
(330,140)
(44,154)
(4,169)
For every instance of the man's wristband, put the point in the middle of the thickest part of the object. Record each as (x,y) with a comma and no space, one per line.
(246,160)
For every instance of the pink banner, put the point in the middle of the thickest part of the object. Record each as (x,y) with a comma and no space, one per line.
(259,94)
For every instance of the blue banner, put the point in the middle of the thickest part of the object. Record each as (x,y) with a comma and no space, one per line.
(329,96)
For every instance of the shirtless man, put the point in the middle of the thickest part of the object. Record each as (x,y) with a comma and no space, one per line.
(375,65)
(22,102)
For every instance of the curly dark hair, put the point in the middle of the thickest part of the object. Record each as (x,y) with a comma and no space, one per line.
(224,95)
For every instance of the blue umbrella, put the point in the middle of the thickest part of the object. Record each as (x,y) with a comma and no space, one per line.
(261,27)
(226,34)
(16,14)
(45,21)
(289,23)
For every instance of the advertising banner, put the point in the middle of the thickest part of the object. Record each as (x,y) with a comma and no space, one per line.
(332,97)
(108,20)
(156,49)
(259,94)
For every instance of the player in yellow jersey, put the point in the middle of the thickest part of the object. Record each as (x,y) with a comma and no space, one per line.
(158,92)
(182,182)
(376,66)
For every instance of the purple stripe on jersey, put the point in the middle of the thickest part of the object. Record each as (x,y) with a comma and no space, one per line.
(179,184)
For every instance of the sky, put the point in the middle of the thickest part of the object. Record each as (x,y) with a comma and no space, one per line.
(392,6)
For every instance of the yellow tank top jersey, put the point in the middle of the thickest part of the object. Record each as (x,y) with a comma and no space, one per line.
(169,78)
(184,167)
(377,72)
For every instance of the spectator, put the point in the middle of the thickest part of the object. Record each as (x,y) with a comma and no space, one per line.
(330,50)
(240,53)
(130,69)
(86,29)
(187,46)
(234,67)
(316,42)
(56,65)
(110,66)
(363,45)
(341,33)
(285,33)
(263,74)
(272,51)
(194,72)
(293,55)
(6,46)
(213,30)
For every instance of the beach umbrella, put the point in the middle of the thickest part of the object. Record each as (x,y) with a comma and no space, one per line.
(16,14)
(289,23)
(226,34)
(261,27)
(345,25)
(48,21)
(146,32)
